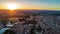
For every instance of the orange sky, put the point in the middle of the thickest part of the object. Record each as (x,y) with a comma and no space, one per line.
(31,8)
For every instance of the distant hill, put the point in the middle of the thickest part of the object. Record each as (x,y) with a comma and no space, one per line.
(36,12)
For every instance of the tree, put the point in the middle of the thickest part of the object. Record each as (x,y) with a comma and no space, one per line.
(9,32)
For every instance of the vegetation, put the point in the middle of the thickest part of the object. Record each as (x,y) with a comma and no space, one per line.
(39,29)
(9,32)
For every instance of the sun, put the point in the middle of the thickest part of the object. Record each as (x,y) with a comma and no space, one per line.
(12,6)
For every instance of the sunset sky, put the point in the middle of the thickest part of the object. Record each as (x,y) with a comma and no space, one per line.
(33,4)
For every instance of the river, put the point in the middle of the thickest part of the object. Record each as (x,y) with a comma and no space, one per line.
(3,30)
(6,28)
